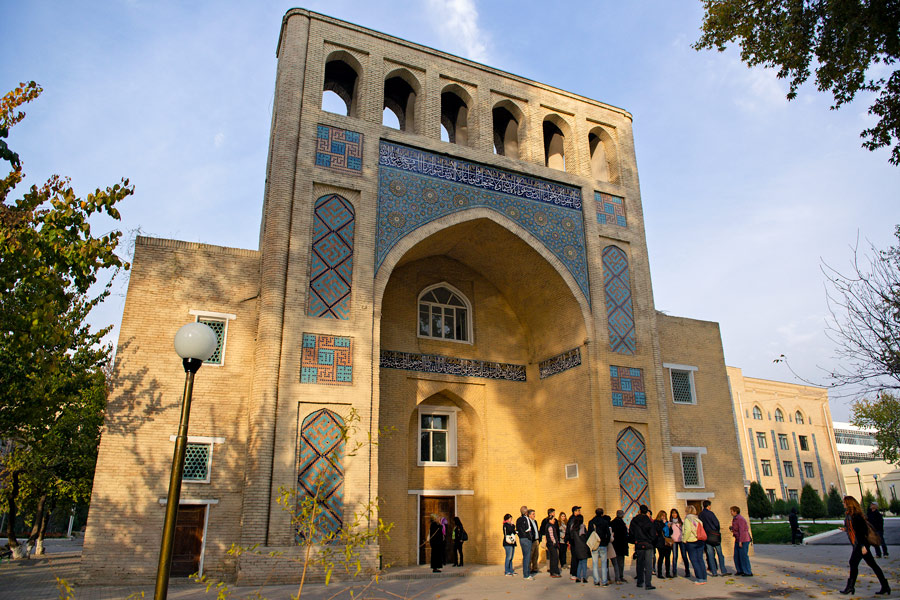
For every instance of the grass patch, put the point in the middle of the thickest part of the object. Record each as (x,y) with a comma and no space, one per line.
(780,533)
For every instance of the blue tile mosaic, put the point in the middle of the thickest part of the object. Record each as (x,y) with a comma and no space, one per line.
(339,149)
(559,363)
(611,209)
(331,258)
(320,473)
(417,187)
(627,387)
(450,365)
(634,488)
(619,310)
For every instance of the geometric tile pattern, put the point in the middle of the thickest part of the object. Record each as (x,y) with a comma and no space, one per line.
(450,365)
(612,209)
(417,187)
(627,387)
(619,312)
(339,149)
(559,363)
(196,462)
(331,259)
(219,328)
(633,482)
(320,473)
(326,359)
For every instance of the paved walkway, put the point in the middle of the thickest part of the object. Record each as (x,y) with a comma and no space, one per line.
(781,571)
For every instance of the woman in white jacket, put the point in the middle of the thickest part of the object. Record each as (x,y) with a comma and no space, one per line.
(694,544)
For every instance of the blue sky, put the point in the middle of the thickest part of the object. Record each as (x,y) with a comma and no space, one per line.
(744,193)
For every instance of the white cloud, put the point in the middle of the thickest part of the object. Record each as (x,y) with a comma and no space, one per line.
(758,89)
(219,140)
(456,22)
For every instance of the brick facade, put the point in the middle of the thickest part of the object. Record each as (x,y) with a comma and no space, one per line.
(520,242)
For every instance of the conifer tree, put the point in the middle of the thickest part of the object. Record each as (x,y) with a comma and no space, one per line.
(811,505)
(758,505)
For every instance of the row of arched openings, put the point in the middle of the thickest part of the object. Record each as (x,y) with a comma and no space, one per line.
(401,93)
(779,416)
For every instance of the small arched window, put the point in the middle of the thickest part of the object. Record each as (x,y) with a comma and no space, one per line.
(757,414)
(554,146)
(399,102)
(339,93)
(454,116)
(506,132)
(444,314)
(798,417)
(779,416)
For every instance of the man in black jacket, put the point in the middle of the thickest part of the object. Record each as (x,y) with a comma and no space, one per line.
(794,521)
(620,544)
(876,520)
(573,564)
(643,534)
(598,556)
(713,539)
(527,530)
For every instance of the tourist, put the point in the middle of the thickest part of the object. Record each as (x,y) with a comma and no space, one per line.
(794,521)
(563,523)
(741,532)
(857,529)
(642,531)
(876,520)
(436,534)
(509,544)
(552,535)
(459,536)
(528,535)
(448,540)
(677,524)
(663,545)
(713,540)
(598,556)
(580,551)
(573,564)
(620,545)
(694,544)
(542,543)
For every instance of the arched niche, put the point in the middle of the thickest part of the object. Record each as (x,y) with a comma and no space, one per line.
(401,92)
(342,74)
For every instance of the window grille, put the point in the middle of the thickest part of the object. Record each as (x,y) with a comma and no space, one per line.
(690,468)
(572,471)
(219,327)
(681,387)
(196,462)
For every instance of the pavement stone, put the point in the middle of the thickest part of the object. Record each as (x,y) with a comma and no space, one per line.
(781,571)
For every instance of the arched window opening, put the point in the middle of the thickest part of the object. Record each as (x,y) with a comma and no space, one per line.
(340,79)
(389,119)
(506,133)
(444,314)
(798,417)
(757,413)
(779,416)
(599,163)
(554,147)
(455,118)
(400,99)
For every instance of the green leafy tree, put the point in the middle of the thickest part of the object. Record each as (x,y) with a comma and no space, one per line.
(811,505)
(880,499)
(780,507)
(50,261)
(883,416)
(835,503)
(846,43)
(758,505)
(867,499)
(894,506)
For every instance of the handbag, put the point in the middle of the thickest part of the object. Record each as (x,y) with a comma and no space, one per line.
(872,537)
(593,541)
(713,538)
(669,542)
(510,538)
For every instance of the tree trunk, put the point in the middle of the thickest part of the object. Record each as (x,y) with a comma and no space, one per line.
(36,527)
(39,543)
(12,495)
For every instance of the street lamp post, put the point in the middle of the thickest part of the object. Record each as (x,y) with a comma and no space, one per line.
(194,343)
(859,480)
(875,475)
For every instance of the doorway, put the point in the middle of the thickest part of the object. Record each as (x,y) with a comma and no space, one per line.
(188,544)
(698,504)
(442,506)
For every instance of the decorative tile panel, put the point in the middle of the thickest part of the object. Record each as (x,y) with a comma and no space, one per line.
(339,149)
(320,472)
(631,453)
(449,365)
(417,187)
(326,359)
(331,258)
(611,209)
(619,311)
(559,363)
(627,387)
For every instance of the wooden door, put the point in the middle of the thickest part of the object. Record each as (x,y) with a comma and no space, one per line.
(188,540)
(698,504)
(442,506)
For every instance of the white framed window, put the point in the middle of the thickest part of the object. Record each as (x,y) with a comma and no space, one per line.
(771,494)
(793,495)
(783,441)
(572,471)
(798,418)
(779,416)
(766,467)
(757,414)
(760,439)
(808,467)
(218,322)
(682,379)
(788,468)
(198,458)
(804,444)
(691,465)
(444,314)
(437,436)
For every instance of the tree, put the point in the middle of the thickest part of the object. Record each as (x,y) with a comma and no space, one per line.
(880,499)
(49,357)
(894,506)
(780,507)
(883,416)
(811,505)
(758,505)
(867,499)
(845,42)
(835,503)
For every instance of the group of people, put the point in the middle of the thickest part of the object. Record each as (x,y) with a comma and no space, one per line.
(446,542)
(606,540)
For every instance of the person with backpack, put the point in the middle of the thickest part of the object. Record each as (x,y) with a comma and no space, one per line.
(713,540)
(695,538)
(459,536)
